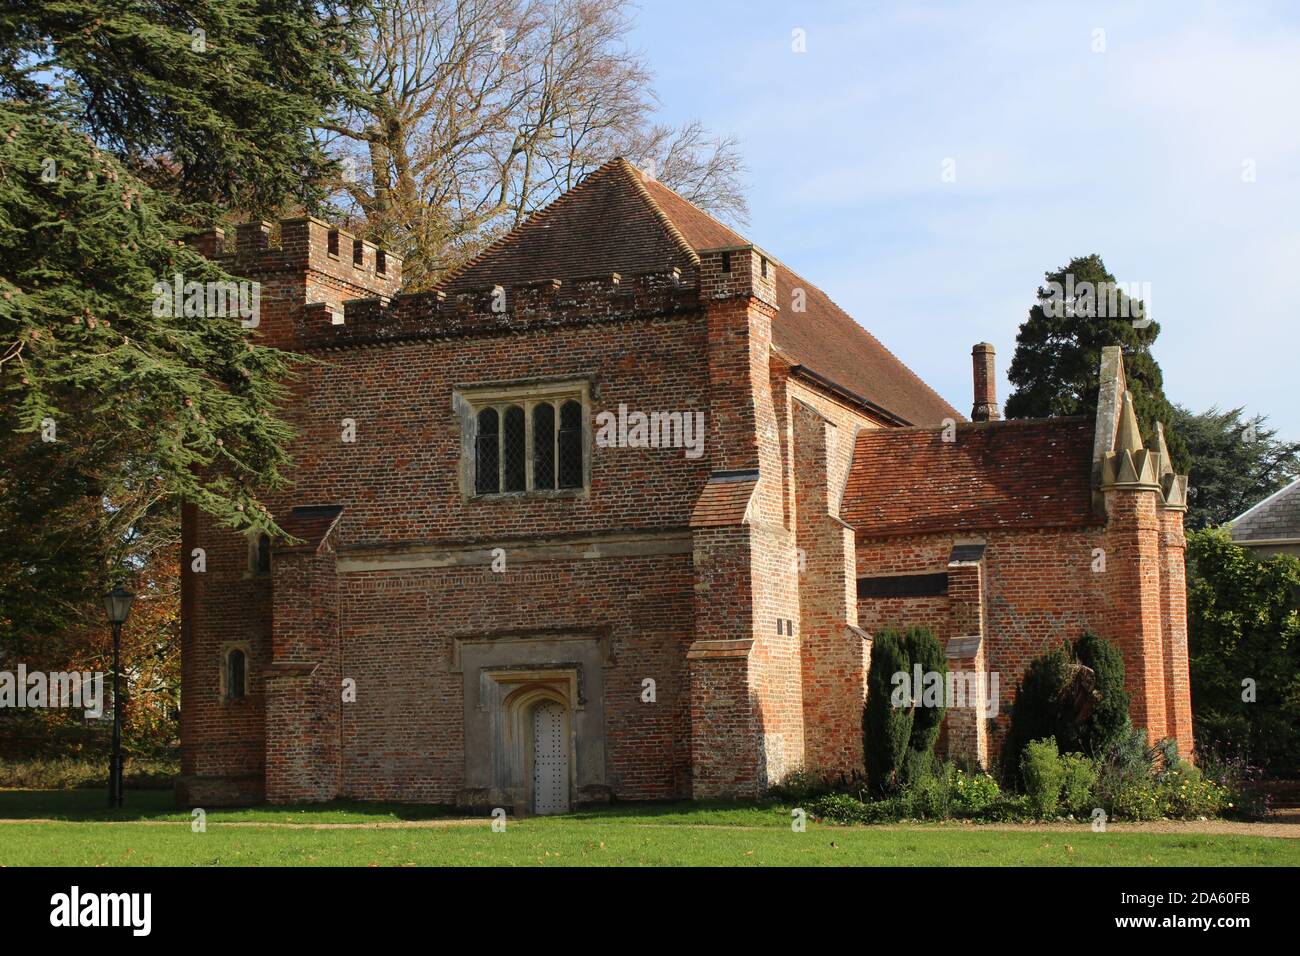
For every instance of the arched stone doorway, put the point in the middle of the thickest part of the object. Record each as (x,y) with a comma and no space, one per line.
(539,731)
(502,687)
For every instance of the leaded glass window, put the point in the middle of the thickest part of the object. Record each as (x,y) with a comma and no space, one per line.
(528,445)
(570,445)
(513,449)
(487,480)
(543,446)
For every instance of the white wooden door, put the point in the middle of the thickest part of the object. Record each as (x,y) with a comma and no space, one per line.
(550,759)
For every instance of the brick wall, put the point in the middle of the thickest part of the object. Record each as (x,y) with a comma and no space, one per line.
(1039,588)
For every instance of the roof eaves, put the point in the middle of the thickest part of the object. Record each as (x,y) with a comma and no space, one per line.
(803,371)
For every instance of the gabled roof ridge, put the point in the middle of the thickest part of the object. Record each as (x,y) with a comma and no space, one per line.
(558,202)
(634,175)
(745,240)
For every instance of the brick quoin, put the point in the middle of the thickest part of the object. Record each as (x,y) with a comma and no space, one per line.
(698,618)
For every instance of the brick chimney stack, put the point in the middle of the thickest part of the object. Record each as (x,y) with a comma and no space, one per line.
(986,389)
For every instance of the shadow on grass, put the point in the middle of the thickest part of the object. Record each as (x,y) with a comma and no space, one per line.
(87,805)
(142,805)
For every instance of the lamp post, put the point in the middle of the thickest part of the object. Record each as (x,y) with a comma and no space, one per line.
(118,604)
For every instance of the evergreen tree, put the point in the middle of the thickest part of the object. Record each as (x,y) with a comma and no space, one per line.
(110,413)
(1235,463)
(900,724)
(923,648)
(1036,712)
(1110,716)
(1055,368)
(124,123)
(886,728)
(213,101)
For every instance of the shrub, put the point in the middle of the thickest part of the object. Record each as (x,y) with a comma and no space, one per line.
(972,793)
(1124,775)
(1184,794)
(846,809)
(1228,767)
(928,798)
(837,808)
(1133,799)
(1035,714)
(1110,717)
(67,773)
(1047,700)
(1040,768)
(1242,620)
(1008,809)
(898,731)
(1079,779)
(804,784)
(886,729)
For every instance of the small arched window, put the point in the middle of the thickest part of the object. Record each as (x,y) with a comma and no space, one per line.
(236,674)
(487,479)
(262,556)
(570,445)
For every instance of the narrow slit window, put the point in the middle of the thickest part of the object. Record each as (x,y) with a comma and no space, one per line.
(262,556)
(236,672)
(544,446)
(487,479)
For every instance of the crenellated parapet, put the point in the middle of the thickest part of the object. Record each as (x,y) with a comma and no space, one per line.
(299,245)
(549,303)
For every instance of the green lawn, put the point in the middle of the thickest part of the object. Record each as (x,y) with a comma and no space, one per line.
(152,832)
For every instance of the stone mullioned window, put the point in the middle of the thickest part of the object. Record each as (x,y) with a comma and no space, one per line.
(526,440)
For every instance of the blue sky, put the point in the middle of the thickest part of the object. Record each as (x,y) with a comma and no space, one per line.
(1139,153)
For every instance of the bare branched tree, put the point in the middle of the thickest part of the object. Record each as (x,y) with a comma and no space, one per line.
(481,111)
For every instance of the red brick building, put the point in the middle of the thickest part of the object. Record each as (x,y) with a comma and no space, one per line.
(614,512)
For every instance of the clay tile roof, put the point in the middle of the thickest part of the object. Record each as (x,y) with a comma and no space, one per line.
(311,525)
(1035,473)
(602,225)
(724,500)
(1277,516)
(616,220)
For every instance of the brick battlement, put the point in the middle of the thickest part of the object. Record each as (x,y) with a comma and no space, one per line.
(491,311)
(305,243)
